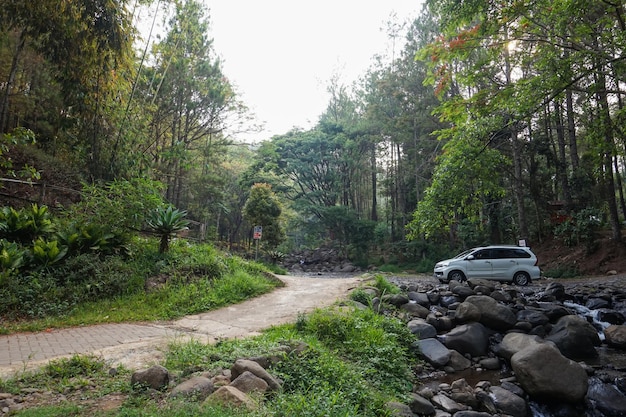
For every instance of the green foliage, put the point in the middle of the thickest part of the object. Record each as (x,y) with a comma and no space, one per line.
(384,286)
(581,228)
(119,206)
(91,288)
(361,296)
(92,237)
(25,225)
(562,271)
(264,209)
(12,256)
(77,365)
(376,344)
(19,135)
(46,253)
(463,183)
(166,222)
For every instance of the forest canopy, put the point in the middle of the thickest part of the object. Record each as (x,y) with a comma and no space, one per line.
(497,121)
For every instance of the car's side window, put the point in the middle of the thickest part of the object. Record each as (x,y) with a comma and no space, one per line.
(483,254)
(520,253)
(502,253)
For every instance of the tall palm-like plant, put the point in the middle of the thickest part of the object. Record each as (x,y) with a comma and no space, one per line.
(166,222)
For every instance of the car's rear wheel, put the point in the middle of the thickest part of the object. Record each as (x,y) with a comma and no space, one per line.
(521,278)
(456,276)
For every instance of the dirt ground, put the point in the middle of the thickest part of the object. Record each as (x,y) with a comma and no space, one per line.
(605,257)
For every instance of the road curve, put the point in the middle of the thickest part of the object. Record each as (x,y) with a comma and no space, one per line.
(136,345)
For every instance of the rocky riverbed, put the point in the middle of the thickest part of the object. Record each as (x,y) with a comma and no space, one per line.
(554,348)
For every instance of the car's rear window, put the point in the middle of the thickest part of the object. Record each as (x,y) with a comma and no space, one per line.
(511,253)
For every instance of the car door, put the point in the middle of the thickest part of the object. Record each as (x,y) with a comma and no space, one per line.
(504,261)
(480,266)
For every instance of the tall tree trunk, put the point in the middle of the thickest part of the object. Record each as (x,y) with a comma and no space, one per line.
(4,104)
(561,165)
(608,154)
(374,215)
(571,130)
(518,186)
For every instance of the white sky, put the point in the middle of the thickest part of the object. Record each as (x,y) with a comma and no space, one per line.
(280,54)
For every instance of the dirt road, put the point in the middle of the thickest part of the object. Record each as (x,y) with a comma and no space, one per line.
(139,345)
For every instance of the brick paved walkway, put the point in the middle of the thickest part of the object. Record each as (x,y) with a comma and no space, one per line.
(135,345)
(33,347)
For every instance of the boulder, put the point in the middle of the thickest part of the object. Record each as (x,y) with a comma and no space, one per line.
(534,317)
(471,338)
(422,329)
(420,298)
(506,402)
(395,299)
(247,382)
(415,309)
(242,365)
(575,337)
(514,342)
(616,336)
(230,397)
(467,312)
(544,373)
(457,362)
(433,351)
(606,398)
(420,405)
(156,377)
(197,387)
(492,314)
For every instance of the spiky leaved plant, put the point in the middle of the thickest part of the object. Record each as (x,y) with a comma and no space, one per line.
(166,222)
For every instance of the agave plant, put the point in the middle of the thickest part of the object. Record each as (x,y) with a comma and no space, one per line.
(166,222)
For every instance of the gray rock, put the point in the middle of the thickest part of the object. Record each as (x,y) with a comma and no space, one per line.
(534,317)
(420,298)
(458,362)
(422,329)
(397,409)
(467,312)
(395,299)
(440,322)
(543,372)
(508,403)
(575,337)
(433,351)
(463,291)
(462,392)
(515,342)
(616,336)
(471,338)
(420,405)
(155,377)
(198,387)
(606,398)
(448,404)
(415,309)
(230,397)
(247,382)
(493,315)
(242,365)
(490,363)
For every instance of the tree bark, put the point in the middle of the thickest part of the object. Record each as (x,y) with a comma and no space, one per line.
(4,104)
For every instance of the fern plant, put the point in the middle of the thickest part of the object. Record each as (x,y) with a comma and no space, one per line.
(166,222)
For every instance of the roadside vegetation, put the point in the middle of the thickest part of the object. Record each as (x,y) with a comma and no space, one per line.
(355,361)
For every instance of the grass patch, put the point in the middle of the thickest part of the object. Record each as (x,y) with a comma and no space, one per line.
(563,271)
(335,362)
(196,278)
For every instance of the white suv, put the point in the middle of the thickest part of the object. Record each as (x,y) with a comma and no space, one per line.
(515,264)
